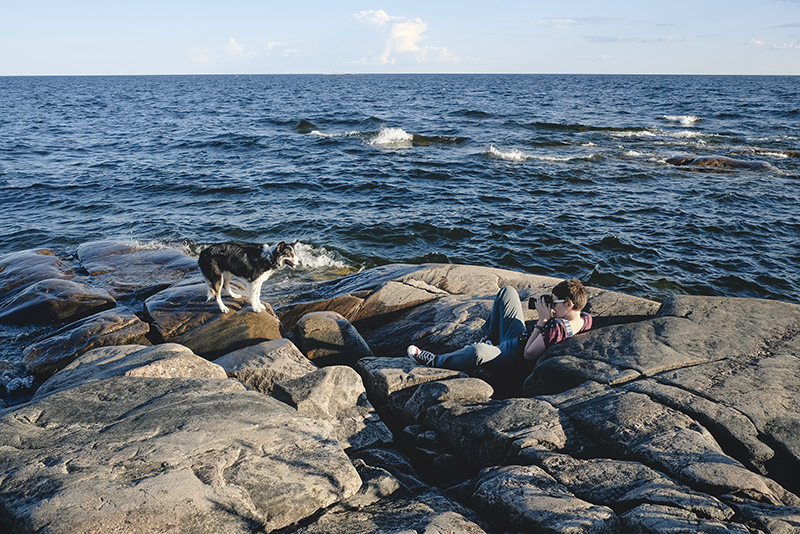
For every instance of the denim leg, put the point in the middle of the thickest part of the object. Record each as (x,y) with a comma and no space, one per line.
(506,320)
(479,355)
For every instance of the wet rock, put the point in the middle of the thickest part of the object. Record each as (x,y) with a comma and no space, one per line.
(20,269)
(110,328)
(337,394)
(54,300)
(168,360)
(259,366)
(166,454)
(127,269)
(181,314)
(327,338)
(36,287)
(719,162)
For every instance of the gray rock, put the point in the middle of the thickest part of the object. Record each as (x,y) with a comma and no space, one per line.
(527,498)
(390,382)
(181,315)
(327,338)
(168,360)
(770,518)
(659,519)
(429,513)
(463,390)
(110,328)
(127,269)
(484,432)
(337,394)
(259,366)
(731,364)
(621,485)
(633,426)
(440,307)
(157,455)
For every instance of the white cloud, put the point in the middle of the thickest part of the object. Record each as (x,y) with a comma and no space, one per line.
(234,49)
(755,42)
(377,18)
(402,38)
(786,46)
(561,24)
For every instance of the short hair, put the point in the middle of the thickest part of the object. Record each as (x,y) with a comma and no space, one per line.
(572,290)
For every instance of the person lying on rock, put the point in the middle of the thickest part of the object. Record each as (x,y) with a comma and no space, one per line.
(560,316)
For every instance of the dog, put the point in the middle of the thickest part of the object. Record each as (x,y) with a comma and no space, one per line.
(253,264)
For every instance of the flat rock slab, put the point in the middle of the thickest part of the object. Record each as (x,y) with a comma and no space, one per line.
(154,455)
(130,268)
(113,327)
(168,360)
(182,315)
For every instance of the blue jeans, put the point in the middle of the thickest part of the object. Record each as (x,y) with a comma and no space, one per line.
(504,326)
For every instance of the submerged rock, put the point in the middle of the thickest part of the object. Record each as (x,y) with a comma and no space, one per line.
(127,268)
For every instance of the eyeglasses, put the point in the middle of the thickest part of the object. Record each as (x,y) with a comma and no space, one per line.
(558,301)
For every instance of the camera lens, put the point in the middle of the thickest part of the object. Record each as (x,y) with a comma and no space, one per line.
(548,299)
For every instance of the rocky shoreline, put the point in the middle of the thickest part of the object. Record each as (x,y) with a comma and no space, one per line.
(159,414)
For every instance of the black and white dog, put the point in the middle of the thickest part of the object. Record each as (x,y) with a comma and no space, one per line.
(253,264)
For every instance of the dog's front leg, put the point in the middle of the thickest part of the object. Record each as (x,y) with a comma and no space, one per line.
(255,296)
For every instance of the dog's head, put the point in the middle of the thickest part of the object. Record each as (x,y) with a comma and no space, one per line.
(282,255)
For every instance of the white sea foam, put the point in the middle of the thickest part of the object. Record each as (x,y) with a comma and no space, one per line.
(345,134)
(636,133)
(393,138)
(508,155)
(519,156)
(317,258)
(686,134)
(685,120)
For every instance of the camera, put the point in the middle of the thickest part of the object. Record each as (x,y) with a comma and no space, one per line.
(548,299)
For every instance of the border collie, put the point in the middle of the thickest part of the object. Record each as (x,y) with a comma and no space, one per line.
(251,263)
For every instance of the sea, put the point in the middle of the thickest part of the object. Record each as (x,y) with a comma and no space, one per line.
(556,175)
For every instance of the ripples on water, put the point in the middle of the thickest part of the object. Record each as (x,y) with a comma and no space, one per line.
(553,175)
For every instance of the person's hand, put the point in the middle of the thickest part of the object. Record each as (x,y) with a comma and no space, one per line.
(544,310)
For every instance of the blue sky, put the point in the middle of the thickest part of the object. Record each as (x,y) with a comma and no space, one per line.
(75,37)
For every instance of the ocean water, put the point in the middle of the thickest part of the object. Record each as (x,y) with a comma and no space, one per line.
(558,175)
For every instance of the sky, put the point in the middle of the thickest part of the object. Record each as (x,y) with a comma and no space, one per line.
(122,37)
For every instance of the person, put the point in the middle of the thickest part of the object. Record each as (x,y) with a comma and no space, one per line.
(506,338)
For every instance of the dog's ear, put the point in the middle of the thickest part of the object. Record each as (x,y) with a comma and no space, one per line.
(281,245)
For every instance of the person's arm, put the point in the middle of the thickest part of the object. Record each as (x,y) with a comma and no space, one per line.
(535,345)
